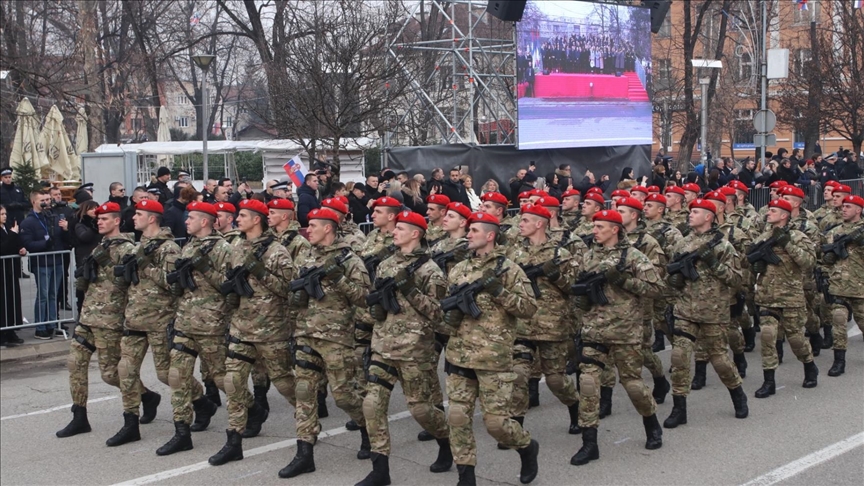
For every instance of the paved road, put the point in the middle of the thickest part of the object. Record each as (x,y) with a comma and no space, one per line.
(546,124)
(800,431)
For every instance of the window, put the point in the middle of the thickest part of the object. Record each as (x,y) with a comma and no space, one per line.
(798,141)
(136,124)
(801,16)
(182,99)
(666,27)
(229,122)
(744,129)
(183,121)
(745,67)
(801,61)
(664,74)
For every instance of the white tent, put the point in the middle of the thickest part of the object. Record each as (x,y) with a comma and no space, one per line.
(27,146)
(163,134)
(82,142)
(58,148)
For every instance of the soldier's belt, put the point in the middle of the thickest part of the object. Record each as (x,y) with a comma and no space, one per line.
(363,327)
(180,334)
(241,357)
(185,349)
(587,360)
(527,343)
(524,356)
(308,350)
(770,313)
(452,369)
(362,342)
(129,332)
(306,364)
(392,371)
(236,340)
(679,332)
(83,342)
(379,380)
(599,347)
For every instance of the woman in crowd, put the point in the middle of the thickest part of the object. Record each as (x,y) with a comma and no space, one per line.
(11,251)
(714,179)
(473,198)
(627,180)
(87,237)
(659,176)
(490,186)
(413,197)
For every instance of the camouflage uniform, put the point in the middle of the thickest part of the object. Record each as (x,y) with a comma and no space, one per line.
(667,236)
(324,338)
(650,247)
(613,333)
(571,219)
(149,311)
(377,242)
(100,326)
(403,351)
(806,224)
(435,234)
(199,325)
(480,357)
(679,219)
(259,328)
(736,235)
(349,232)
(846,282)
(702,312)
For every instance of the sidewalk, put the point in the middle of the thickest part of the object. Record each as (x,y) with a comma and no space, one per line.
(36,348)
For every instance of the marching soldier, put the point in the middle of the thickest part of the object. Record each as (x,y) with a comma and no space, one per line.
(199,325)
(834,217)
(495,204)
(667,235)
(348,230)
(403,349)
(324,337)
(479,358)
(827,201)
(256,285)
(100,326)
(436,208)
(284,226)
(676,212)
(593,204)
(639,193)
(570,209)
(146,324)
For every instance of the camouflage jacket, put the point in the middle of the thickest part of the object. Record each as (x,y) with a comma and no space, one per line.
(553,319)
(822,211)
(586,227)
(806,224)
(741,241)
(781,286)
(831,219)
(435,234)
(567,239)
(331,318)
(151,304)
(292,240)
(746,221)
(702,301)
(460,245)
(204,311)
(262,318)
(665,233)
(487,343)
(408,336)
(105,300)
(679,219)
(846,277)
(233,236)
(376,241)
(619,322)
(650,247)
(350,233)
(572,219)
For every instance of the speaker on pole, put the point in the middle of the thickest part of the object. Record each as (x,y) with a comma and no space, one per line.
(507,10)
(659,9)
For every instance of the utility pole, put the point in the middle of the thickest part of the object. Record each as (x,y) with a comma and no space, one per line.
(764,74)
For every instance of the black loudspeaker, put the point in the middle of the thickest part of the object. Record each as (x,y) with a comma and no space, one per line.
(659,9)
(507,10)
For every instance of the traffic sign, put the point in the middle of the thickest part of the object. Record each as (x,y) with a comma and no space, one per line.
(764,121)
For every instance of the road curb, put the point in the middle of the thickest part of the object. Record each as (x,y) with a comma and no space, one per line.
(40,350)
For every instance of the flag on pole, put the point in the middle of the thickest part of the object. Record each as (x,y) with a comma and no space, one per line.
(295,170)
(856,4)
(195,19)
(802,4)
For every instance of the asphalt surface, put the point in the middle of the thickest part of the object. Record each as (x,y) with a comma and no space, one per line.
(795,437)
(580,123)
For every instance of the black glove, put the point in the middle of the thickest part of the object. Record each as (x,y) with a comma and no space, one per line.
(552,270)
(829,258)
(82,284)
(201,263)
(404,281)
(583,302)
(492,284)
(676,281)
(453,318)
(256,268)
(333,271)
(176,289)
(759,267)
(615,277)
(233,300)
(782,236)
(300,299)
(378,312)
(706,254)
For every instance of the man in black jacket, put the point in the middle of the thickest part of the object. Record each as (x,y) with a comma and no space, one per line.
(358,204)
(13,198)
(747,174)
(307,198)
(163,175)
(118,195)
(454,189)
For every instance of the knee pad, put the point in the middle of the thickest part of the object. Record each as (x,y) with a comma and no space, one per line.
(369,408)
(721,364)
(839,317)
(798,343)
(162,375)
(457,416)
(111,378)
(174,378)
(555,382)
(285,387)
(494,424)
(72,362)
(421,411)
(343,399)
(304,392)
(679,358)
(635,389)
(587,385)
(229,383)
(123,368)
(769,331)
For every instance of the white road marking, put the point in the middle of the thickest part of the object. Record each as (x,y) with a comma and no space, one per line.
(800,465)
(55,409)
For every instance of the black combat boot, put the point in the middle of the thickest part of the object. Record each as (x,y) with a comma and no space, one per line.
(261,397)
(352,426)
(182,440)
(653,432)
(322,403)
(424,436)
(589,450)
(739,400)
(816,343)
(698,382)
(466,476)
(211,391)
(445,457)
(254,420)
(533,392)
(749,339)
(810,374)
(679,413)
(79,423)
(661,388)
(573,410)
(365,447)
(659,341)
(741,363)
(837,369)
(779,346)
(204,410)
(380,475)
(528,455)
(605,401)
(231,451)
(769,387)
(150,403)
(828,340)
(521,420)
(303,462)
(128,433)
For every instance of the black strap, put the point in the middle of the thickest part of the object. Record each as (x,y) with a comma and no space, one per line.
(389,369)
(524,356)
(180,334)
(86,328)
(83,342)
(362,342)
(185,349)
(379,381)
(770,313)
(679,332)
(452,369)
(308,350)
(599,347)
(129,332)
(236,340)
(241,357)
(363,327)
(587,360)
(307,365)
(638,243)
(528,344)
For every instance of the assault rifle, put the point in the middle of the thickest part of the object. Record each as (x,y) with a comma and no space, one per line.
(183,274)
(764,251)
(588,239)
(838,247)
(385,289)
(686,264)
(823,285)
(310,278)
(463,297)
(443,258)
(128,269)
(372,261)
(591,284)
(533,272)
(237,278)
(88,270)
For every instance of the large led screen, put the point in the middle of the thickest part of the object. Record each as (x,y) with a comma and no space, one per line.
(583,75)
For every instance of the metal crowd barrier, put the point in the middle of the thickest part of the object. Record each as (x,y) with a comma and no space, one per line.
(366,228)
(42,299)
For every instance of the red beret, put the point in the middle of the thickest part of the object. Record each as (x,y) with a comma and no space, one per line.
(856,200)
(336,204)
(387,202)
(343,200)
(598,198)
(439,199)
(255,205)
(675,190)
(782,204)
(703,204)
(692,187)
(150,206)
(536,210)
(538,192)
(495,197)
(201,207)
(843,188)
(620,193)
(225,207)
(641,189)
(727,191)
(524,194)
(460,209)
(716,196)
(778,184)
(479,217)
(570,193)
(607,215)
(630,202)
(832,184)
(108,207)
(792,191)
(658,198)
(549,202)
(410,217)
(654,189)
(738,185)
(325,214)
(593,189)
(279,203)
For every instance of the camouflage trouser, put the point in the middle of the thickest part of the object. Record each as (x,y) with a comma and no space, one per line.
(417,380)
(840,317)
(650,360)
(185,389)
(812,324)
(607,376)
(658,316)
(628,359)
(790,321)
(495,390)
(734,339)
(259,376)
(552,356)
(437,395)
(238,365)
(362,341)
(107,343)
(133,348)
(316,358)
(712,340)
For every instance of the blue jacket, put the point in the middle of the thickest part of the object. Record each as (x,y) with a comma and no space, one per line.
(307,200)
(34,228)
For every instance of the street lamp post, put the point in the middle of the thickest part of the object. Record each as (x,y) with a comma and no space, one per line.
(204,61)
(703,83)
